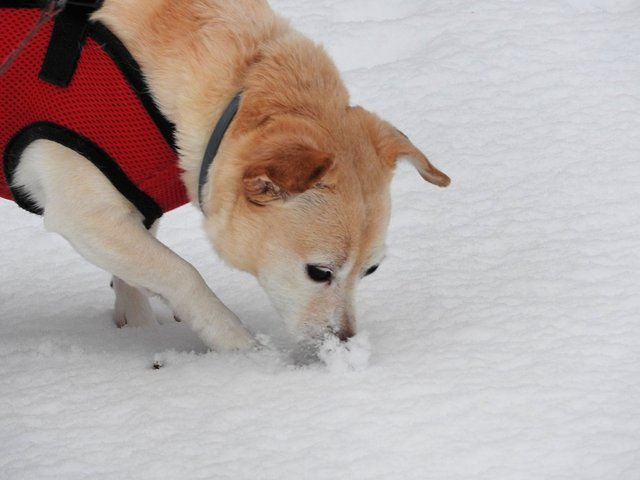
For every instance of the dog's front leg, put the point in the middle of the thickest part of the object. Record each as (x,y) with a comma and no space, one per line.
(105,228)
(132,305)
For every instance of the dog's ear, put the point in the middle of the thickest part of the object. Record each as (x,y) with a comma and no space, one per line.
(391,145)
(285,172)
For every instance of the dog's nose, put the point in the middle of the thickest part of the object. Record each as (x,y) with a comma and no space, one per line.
(346,332)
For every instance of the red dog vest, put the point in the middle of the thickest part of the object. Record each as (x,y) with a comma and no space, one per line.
(77,85)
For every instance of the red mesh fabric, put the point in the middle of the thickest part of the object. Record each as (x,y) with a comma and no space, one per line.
(98,104)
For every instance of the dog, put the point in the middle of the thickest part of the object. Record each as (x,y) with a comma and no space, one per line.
(297,191)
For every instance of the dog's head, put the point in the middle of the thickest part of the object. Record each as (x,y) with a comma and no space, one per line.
(304,206)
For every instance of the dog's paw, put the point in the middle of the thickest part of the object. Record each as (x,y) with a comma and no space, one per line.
(132,307)
(239,340)
(230,337)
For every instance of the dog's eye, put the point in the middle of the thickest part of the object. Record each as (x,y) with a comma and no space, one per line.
(371,270)
(319,274)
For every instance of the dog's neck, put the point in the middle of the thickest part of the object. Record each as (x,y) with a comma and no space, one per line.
(194,67)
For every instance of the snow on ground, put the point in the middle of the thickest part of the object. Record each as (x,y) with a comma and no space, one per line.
(499,340)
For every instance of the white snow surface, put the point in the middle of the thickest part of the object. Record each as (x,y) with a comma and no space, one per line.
(500,339)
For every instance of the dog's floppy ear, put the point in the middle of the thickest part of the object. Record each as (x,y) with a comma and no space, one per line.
(286,171)
(391,145)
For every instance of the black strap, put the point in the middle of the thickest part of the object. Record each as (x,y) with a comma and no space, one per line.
(67,40)
(215,140)
(92,4)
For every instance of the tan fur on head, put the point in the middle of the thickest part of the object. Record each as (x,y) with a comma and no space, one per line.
(301,178)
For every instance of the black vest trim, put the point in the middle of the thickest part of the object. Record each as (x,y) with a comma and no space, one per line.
(85,147)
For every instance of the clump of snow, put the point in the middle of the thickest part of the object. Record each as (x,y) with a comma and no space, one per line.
(352,355)
(337,356)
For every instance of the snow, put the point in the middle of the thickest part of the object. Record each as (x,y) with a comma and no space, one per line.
(500,338)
